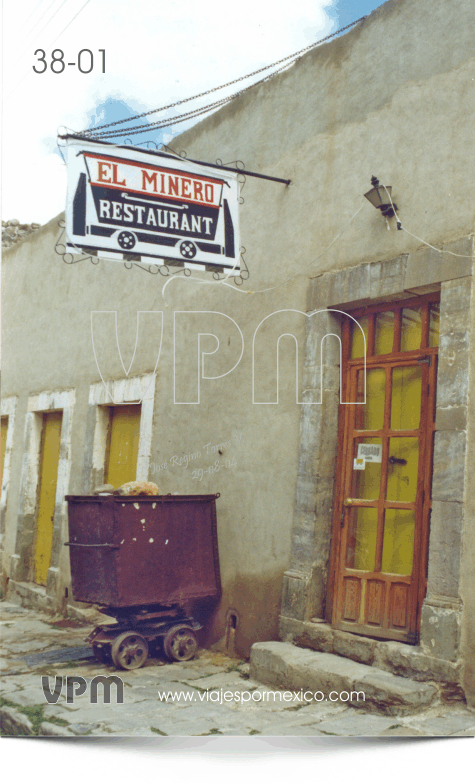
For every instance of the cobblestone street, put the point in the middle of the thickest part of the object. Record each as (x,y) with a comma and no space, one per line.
(34,644)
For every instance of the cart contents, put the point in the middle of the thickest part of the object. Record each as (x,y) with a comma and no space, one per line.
(138,488)
(103,490)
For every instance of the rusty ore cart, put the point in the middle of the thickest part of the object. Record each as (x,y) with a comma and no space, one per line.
(141,559)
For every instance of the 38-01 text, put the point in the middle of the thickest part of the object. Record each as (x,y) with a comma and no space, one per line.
(56,61)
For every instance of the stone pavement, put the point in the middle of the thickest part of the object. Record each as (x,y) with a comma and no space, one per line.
(34,645)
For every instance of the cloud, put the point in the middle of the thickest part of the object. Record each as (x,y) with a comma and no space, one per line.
(156,52)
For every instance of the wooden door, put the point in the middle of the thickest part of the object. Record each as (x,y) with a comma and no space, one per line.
(49,461)
(3,445)
(123,444)
(383,496)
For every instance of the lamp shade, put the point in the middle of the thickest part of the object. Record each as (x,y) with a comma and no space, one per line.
(380,197)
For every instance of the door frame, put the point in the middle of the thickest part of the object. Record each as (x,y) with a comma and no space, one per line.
(122,391)
(21,561)
(43,539)
(345,434)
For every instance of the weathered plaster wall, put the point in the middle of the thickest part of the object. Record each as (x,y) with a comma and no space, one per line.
(395,98)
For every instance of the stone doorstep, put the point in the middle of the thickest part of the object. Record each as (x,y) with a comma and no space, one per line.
(29,595)
(399,658)
(35,597)
(286,666)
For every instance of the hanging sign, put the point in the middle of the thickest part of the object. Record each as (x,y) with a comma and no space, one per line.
(130,205)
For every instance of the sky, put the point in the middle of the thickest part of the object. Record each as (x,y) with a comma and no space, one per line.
(156,52)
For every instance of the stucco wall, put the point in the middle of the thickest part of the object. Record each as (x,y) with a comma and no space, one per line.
(395,98)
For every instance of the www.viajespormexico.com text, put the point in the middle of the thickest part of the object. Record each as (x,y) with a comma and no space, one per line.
(221,696)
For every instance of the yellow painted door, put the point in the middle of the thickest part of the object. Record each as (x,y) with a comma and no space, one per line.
(123,445)
(383,497)
(49,460)
(4,443)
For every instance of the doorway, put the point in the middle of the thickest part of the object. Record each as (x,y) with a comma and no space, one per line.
(382,503)
(48,479)
(3,445)
(122,444)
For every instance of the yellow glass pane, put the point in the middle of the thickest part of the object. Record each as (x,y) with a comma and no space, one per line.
(434,319)
(403,464)
(123,445)
(368,480)
(357,340)
(398,542)
(4,443)
(384,333)
(370,416)
(361,547)
(411,329)
(49,460)
(406,398)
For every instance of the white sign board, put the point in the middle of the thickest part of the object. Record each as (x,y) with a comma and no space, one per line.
(371,453)
(139,206)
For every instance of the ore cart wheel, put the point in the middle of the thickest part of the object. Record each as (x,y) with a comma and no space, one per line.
(102,653)
(180,643)
(129,651)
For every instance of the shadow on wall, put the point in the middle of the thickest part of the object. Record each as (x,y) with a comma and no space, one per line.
(247,612)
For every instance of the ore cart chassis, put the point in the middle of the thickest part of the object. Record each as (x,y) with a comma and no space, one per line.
(141,560)
(144,631)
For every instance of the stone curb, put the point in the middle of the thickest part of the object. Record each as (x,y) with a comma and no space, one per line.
(54,730)
(12,722)
(283,665)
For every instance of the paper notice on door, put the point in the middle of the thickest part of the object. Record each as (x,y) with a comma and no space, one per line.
(359,463)
(371,453)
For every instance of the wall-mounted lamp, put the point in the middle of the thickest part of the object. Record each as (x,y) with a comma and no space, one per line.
(380,197)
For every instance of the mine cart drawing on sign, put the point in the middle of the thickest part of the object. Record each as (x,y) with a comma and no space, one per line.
(141,560)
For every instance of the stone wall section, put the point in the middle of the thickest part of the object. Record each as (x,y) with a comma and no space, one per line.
(441,612)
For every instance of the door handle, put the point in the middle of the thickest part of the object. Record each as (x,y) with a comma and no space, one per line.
(397,460)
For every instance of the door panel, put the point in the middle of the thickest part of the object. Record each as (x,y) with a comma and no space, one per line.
(3,445)
(384,332)
(123,445)
(402,469)
(383,496)
(411,329)
(398,541)
(49,461)
(361,541)
(406,397)
(370,412)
